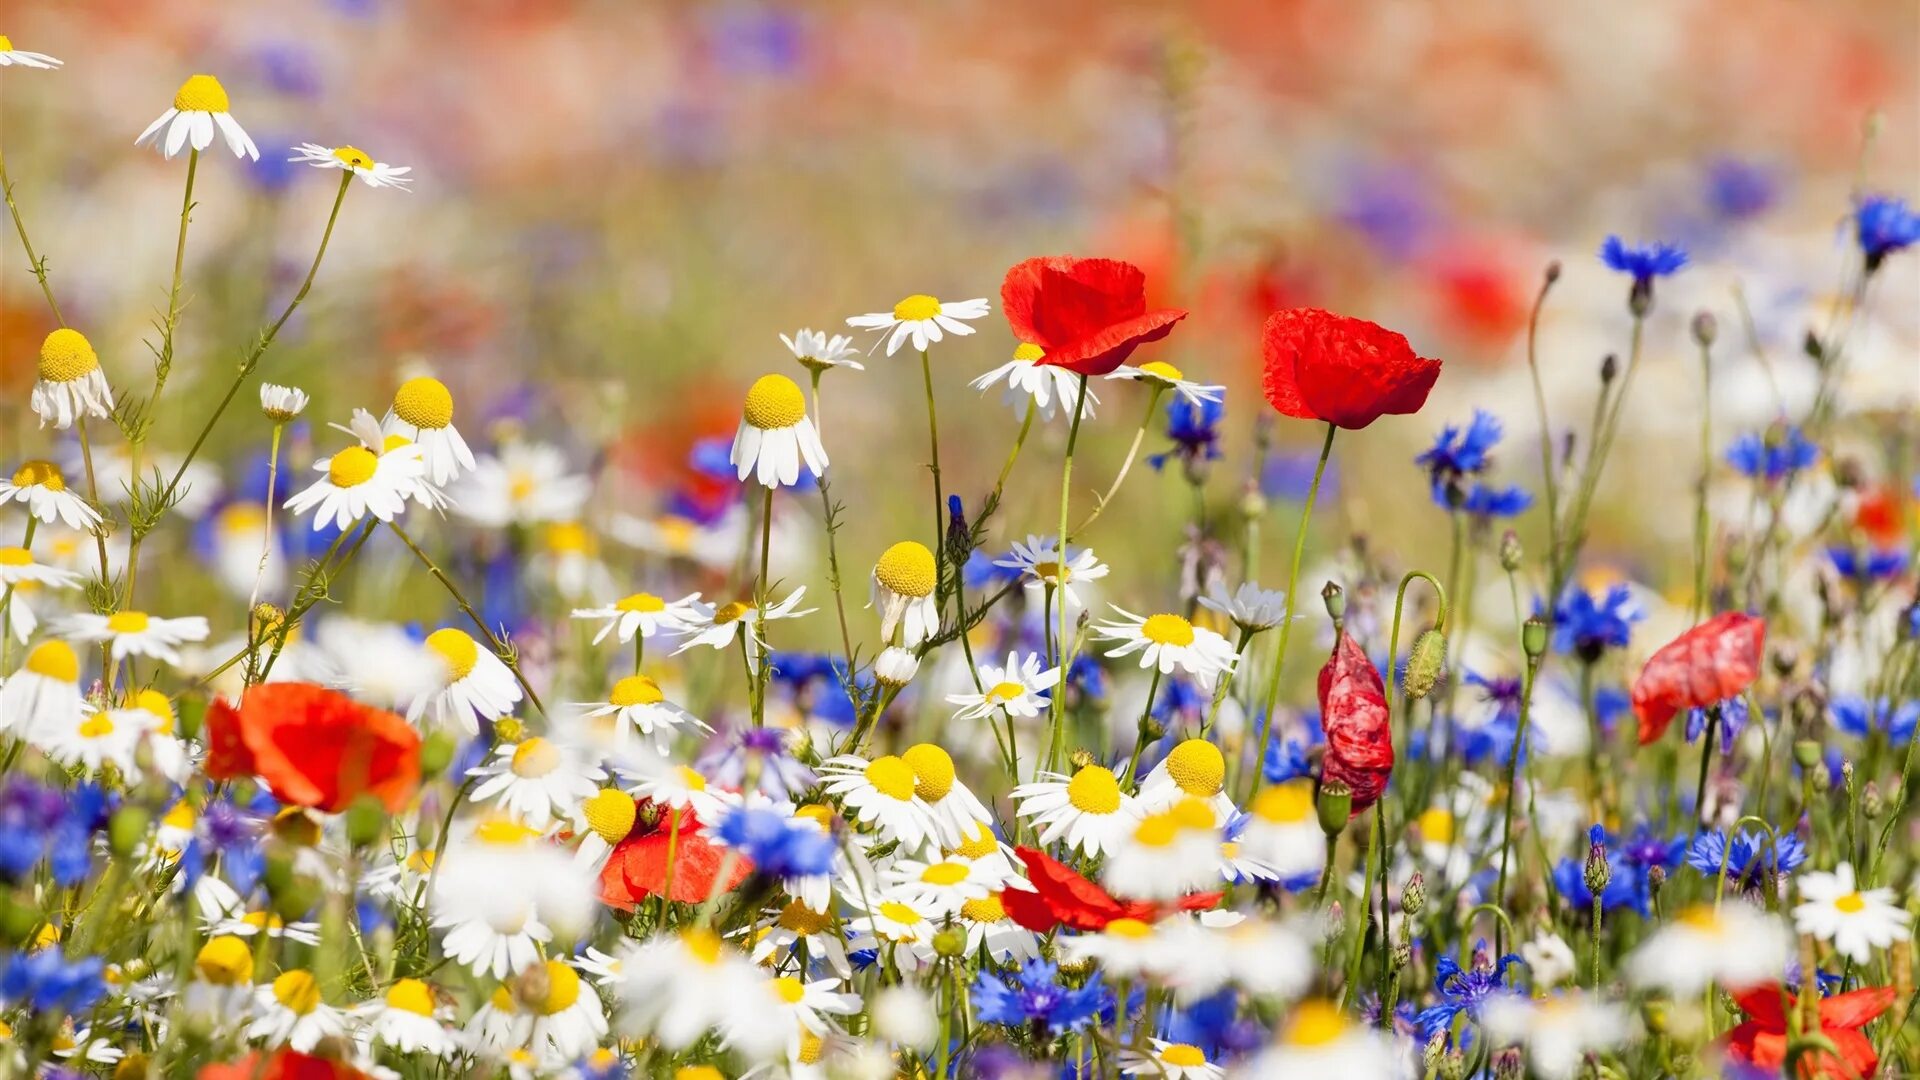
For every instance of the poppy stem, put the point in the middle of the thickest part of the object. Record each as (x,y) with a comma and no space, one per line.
(1286,622)
(1548,480)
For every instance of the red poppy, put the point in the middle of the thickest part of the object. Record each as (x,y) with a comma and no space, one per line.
(637,868)
(1087,314)
(1353,713)
(1346,372)
(1061,896)
(1711,662)
(282,1064)
(313,746)
(1762,1039)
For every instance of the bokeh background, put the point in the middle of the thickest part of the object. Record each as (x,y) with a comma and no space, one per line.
(619,205)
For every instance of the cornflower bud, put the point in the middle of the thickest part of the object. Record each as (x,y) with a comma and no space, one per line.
(1609,368)
(1656,880)
(1414,897)
(1705,328)
(1553,272)
(1597,871)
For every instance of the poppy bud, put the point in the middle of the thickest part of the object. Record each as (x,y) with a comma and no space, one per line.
(126,829)
(436,753)
(1609,368)
(1335,806)
(1426,664)
(1510,551)
(1336,600)
(190,715)
(1656,879)
(297,900)
(1533,637)
(950,941)
(277,874)
(366,821)
(1806,753)
(1705,328)
(1414,897)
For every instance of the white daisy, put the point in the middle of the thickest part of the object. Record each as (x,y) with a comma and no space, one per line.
(717,627)
(797,926)
(1734,946)
(362,480)
(636,705)
(1162,374)
(98,740)
(818,352)
(407,1018)
(1167,854)
(921,319)
(423,411)
(808,1003)
(903,584)
(1169,642)
(1261,956)
(1194,768)
(224,912)
(353,160)
(1040,385)
(642,613)
(652,776)
(156,727)
(527,483)
(940,886)
(43,488)
(9,56)
(20,574)
(1170,1061)
(1282,829)
(474,683)
(564,1023)
(895,666)
(775,435)
(536,779)
(1038,560)
(239,540)
(989,927)
(281,404)
(1087,810)
(1251,607)
(1558,1032)
(498,894)
(1319,1040)
(1018,689)
(199,107)
(889,918)
(1856,922)
(881,793)
(292,1013)
(954,806)
(675,988)
(1125,948)
(71,385)
(45,693)
(135,633)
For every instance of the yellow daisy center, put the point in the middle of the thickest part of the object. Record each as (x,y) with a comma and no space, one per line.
(635,690)
(986,909)
(774,402)
(155,704)
(359,159)
(1094,790)
(503,832)
(1183,1055)
(1315,1023)
(1027,352)
(1192,813)
(96,726)
(817,813)
(1436,825)
(66,355)
(690,779)
(534,758)
(802,919)
(811,1047)
(979,843)
(1156,830)
(916,307)
(410,995)
(352,467)
(733,612)
(502,1000)
(420,862)
(225,960)
(563,989)
(298,990)
(40,474)
(423,402)
(128,622)
(457,649)
(1198,767)
(14,556)
(394,442)
(702,945)
(180,815)
(6,43)
(1052,571)
(1285,804)
(891,777)
(610,814)
(55,660)
(201,93)
(570,538)
(1005,692)
(1160,369)
(907,569)
(904,914)
(1167,630)
(1701,917)
(790,989)
(1131,929)
(698,1072)
(932,771)
(1852,903)
(641,602)
(944,873)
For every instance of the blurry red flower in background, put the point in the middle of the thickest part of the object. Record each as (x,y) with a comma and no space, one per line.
(1762,1039)
(1087,314)
(1353,713)
(637,868)
(314,747)
(282,1064)
(1711,662)
(1346,372)
(1061,896)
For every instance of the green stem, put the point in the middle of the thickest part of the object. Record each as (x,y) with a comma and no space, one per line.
(1058,703)
(1126,466)
(499,649)
(38,264)
(939,488)
(1701,605)
(1140,737)
(1549,480)
(1286,623)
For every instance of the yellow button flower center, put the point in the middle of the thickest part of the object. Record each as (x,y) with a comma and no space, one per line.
(534,758)
(1167,630)
(932,771)
(790,989)
(352,467)
(563,989)
(225,960)
(410,995)
(357,158)
(1315,1023)
(1156,830)
(802,919)
(1183,1055)
(1131,929)
(457,649)
(1285,804)
(1198,767)
(570,538)
(1701,917)
(55,660)
(1005,692)
(904,914)
(698,1072)
(635,690)
(891,777)
(774,402)
(986,909)
(979,844)
(6,43)
(298,990)
(944,873)
(201,93)
(40,474)
(1094,790)
(128,622)
(811,1047)
(66,355)
(916,307)
(1162,370)
(610,814)
(14,556)
(1852,903)
(641,602)
(1027,352)
(423,402)
(907,569)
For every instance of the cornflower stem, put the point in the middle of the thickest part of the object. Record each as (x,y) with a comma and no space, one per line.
(1606,427)
(1140,737)
(1700,604)
(6,602)
(1548,480)
(493,642)
(1514,779)
(38,264)
(1286,623)
(1059,701)
(832,523)
(1126,466)
(266,541)
(1596,941)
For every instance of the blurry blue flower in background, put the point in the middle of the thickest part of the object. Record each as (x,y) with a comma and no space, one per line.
(1763,458)
(1037,1001)
(1852,715)
(1884,225)
(1643,262)
(1195,431)
(1587,626)
(1863,566)
(1748,859)
(1737,190)
(1289,476)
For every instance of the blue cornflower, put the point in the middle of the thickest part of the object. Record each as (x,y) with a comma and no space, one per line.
(1214,1025)
(1195,431)
(1036,1000)
(1486,501)
(1462,451)
(1587,626)
(1644,261)
(797,671)
(1737,189)
(1286,760)
(1643,849)
(1772,458)
(1749,860)
(762,753)
(1863,566)
(46,982)
(1625,889)
(1465,990)
(1853,716)
(1087,677)
(1290,476)
(1181,701)
(981,572)
(1884,225)
(779,846)
(1733,720)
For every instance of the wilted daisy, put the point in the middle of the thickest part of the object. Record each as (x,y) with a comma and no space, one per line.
(104,738)
(1834,909)
(473,683)
(10,56)
(524,483)
(406,1018)
(1087,810)
(1171,1061)
(368,478)
(199,107)
(895,666)
(291,1011)
(636,706)
(1282,829)
(1319,1040)
(881,793)
(17,569)
(641,613)
(1038,560)
(818,352)
(675,988)
(1018,688)
(1040,385)
(718,627)
(904,578)
(1734,946)
(1162,374)
(775,435)
(1558,1032)
(1166,854)
(1169,642)
(536,779)
(135,633)
(423,409)
(354,160)
(71,385)
(1251,607)
(921,319)
(43,488)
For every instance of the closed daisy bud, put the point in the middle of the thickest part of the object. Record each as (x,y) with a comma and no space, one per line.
(895,666)
(1427,664)
(282,403)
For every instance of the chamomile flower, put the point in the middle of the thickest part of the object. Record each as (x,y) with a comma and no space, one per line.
(1087,810)
(636,706)
(989,927)
(99,740)
(10,56)
(1856,922)
(1734,946)
(1170,1061)
(18,568)
(1251,607)
(474,683)
(809,1003)
(282,404)
(563,1023)
(525,483)
(199,108)
(1196,769)
(1170,643)
(43,488)
(1167,854)
(291,1012)
(895,666)
(954,807)
(903,589)
(422,411)
(652,776)
(940,886)
(71,385)
(45,693)
(536,779)
(641,613)
(1559,1032)
(224,912)
(1039,385)
(799,925)
(921,319)
(487,897)
(817,352)
(406,1018)
(354,160)
(892,918)
(1167,377)
(1038,560)
(1320,1040)
(775,435)
(882,793)
(1018,688)
(1261,956)
(717,627)
(1282,830)
(369,478)
(135,633)
(1125,948)
(675,988)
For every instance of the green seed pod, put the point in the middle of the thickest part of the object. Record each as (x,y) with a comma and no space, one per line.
(950,941)
(1426,664)
(1806,753)
(1533,637)
(436,753)
(1336,600)
(127,829)
(297,900)
(366,821)
(1335,806)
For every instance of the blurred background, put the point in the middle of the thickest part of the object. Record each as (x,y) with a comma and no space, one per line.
(620,205)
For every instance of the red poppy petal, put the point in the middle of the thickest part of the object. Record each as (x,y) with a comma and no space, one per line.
(1102,352)
(1353,713)
(1026,908)
(1855,1050)
(1762,1004)
(1074,901)
(1345,371)
(1715,660)
(227,755)
(1856,1008)
(637,866)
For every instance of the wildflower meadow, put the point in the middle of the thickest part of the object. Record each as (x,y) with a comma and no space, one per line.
(995,673)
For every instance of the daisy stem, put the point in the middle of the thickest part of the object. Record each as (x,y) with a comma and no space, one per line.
(38,264)
(163,365)
(1226,684)
(1133,452)
(1020,440)
(1286,622)
(1059,734)
(939,489)
(6,602)
(266,542)
(831,518)
(639,651)
(1140,736)
(499,648)
(99,541)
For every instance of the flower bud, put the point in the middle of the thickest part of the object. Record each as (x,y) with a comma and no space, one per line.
(1640,297)
(1597,873)
(509,729)
(298,900)
(1426,664)
(1705,328)
(1437,1042)
(1335,805)
(1401,955)
(1336,600)
(1656,879)
(1507,1064)
(1609,368)
(1806,753)
(950,941)
(1414,896)
(126,829)
(18,920)
(1511,553)
(436,753)
(366,821)
(131,1067)
(1533,637)
(1253,504)
(1553,272)
(895,667)
(1654,1013)
(1872,803)
(282,403)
